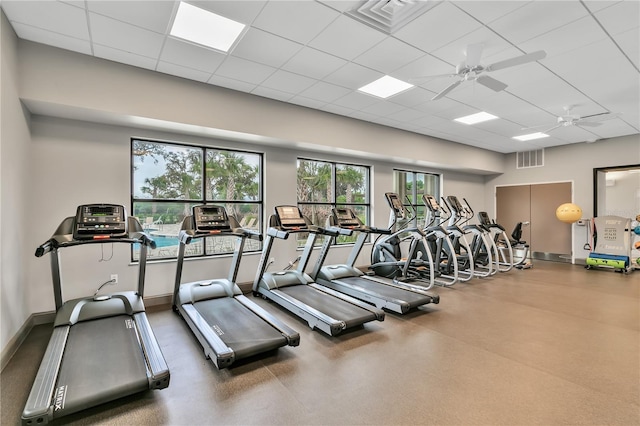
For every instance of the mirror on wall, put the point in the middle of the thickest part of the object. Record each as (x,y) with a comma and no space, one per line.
(616,191)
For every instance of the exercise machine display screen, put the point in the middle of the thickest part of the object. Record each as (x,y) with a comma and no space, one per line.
(345,218)
(396,205)
(210,218)
(431,202)
(290,217)
(483,217)
(455,203)
(98,221)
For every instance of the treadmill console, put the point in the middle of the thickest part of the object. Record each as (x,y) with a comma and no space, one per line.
(431,202)
(290,217)
(209,218)
(100,221)
(483,217)
(345,218)
(455,203)
(396,205)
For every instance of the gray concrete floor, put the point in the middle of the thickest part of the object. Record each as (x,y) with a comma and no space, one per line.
(555,344)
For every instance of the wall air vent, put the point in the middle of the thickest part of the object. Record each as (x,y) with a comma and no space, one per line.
(390,15)
(527,159)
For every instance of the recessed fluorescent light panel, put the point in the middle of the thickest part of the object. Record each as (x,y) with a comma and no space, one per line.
(385,86)
(476,118)
(206,28)
(531,136)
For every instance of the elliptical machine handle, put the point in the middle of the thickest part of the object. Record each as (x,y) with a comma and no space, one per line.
(44,249)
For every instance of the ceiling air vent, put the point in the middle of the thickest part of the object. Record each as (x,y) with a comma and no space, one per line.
(528,159)
(390,15)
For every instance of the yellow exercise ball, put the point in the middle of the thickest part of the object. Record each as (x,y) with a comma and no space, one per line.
(568,213)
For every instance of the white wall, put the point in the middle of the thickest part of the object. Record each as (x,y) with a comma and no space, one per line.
(14,193)
(574,163)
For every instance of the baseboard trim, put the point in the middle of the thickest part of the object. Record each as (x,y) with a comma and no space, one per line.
(16,341)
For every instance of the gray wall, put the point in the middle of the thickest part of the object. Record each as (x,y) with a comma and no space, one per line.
(570,163)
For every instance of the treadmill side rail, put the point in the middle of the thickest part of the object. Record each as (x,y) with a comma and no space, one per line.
(292,336)
(223,355)
(159,371)
(379,313)
(38,409)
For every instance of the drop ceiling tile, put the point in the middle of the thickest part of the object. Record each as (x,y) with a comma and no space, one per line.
(118,35)
(287,82)
(157,18)
(353,76)
(184,72)
(582,32)
(427,65)
(439,26)
(61,18)
(629,43)
(620,17)
(267,92)
(325,92)
(389,55)
(124,57)
(39,35)
(488,11)
(383,109)
(190,55)
(407,115)
(265,48)
(306,102)
(346,38)
(596,5)
(244,11)
(295,20)
(355,101)
(230,83)
(536,18)
(341,5)
(313,63)
(337,109)
(243,70)
(413,97)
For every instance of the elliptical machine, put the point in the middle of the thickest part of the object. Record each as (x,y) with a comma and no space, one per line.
(387,259)
(439,242)
(501,243)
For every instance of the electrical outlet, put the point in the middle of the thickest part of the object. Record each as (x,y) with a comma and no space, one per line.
(114,277)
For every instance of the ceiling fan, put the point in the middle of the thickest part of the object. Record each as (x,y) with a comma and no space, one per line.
(570,119)
(471,70)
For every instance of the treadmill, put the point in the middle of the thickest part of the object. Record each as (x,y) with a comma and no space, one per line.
(102,347)
(227,324)
(323,308)
(346,278)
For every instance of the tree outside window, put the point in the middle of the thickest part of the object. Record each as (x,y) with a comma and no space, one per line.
(410,186)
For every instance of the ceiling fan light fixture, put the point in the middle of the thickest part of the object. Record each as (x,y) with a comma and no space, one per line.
(385,87)
(531,136)
(205,28)
(476,118)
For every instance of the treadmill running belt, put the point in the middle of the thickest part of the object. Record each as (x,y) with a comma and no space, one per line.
(336,308)
(238,327)
(102,361)
(410,297)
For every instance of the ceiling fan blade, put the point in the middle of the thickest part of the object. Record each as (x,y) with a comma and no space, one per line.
(588,123)
(424,79)
(518,60)
(446,90)
(491,83)
(474,52)
(595,118)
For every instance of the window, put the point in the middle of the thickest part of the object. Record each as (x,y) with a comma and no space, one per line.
(168,179)
(324,185)
(410,186)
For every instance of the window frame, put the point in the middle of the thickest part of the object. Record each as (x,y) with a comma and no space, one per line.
(204,196)
(415,206)
(334,191)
